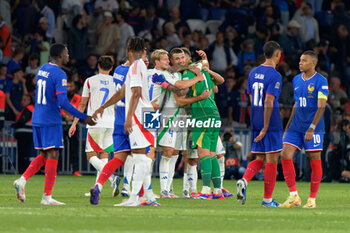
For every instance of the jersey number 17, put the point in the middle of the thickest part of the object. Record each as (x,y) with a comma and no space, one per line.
(258,93)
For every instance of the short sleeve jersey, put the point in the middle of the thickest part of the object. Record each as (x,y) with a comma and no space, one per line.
(137,77)
(306,95)
(119,77)
(50,82)
(99,88)
(162,96)
(262,81)
(205,108)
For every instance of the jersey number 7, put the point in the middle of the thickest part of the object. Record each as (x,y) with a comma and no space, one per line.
(105,96)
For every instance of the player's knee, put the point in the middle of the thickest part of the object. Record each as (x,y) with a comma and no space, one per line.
(193,162)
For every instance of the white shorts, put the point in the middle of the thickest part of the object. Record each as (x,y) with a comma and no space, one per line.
(99,140)
(173,139)
(220,149)
(141,138)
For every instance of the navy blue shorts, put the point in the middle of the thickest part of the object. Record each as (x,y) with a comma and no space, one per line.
(271,143)
(121,142)
(48,137)
(297,140)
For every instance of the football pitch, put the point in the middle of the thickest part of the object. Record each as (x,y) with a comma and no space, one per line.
(174,215)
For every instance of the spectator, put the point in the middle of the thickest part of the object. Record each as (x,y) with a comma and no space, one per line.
(89,69)
(135,20)
(5,41)
(309,32)
(175,18)
(126,31)
(49,16)
(26,18)
(89,7)
(108,35)
(324,62)
(291,42)
(224,97)
(24,133)
(102,6)
(70,9)
(188,42)
(151,21)
(15,89)
(33,64)
(220,54)
(238,109)
(259,37)
(286,96)
(233,40)
(78,40)
(40,46)
(15,62)
(335,93)
(172,38)
(5,12)
(3,79)
(247,55)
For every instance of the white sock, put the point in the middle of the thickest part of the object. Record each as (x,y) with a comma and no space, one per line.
(222,169)
(23,180)
(206,190)
(105,161)
(293,193)
(192,177)
(128,171)
(312,198)
(185,185)
(164,172)
(97,175)
(139,176)
(172,165)
(267,200)
(147,180)
(96,163)
(217,191)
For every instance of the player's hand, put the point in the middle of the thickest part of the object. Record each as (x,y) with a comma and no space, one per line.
(72,130)
(97,112)
(309,134)
(202,54)
(261,135)
(205,94)
(90,121)
(160,80)
(128,126)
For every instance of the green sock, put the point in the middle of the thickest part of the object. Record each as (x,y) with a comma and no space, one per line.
(215,173)
(206,170)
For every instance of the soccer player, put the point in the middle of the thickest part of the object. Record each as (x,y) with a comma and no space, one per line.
(169,138)
(305,128)
(97,89)
(264,87)
(205,138)
(51,95)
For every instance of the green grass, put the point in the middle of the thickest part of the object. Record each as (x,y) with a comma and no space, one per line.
(174,215)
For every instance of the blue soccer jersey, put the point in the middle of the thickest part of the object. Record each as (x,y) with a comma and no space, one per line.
(306,94)
(262,81)
(50,81)
(119,77)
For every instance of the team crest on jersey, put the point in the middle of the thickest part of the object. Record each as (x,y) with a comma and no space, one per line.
(64,82)
(310,89)
(277,85)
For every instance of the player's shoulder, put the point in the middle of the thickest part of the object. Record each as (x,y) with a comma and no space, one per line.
(320,78)
(297,78)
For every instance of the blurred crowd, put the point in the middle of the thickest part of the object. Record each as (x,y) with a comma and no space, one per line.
(231,32)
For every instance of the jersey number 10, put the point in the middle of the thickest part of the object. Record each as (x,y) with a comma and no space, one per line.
(41,92)
(258,93)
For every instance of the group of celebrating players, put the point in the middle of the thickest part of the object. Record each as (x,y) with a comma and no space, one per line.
(181,92)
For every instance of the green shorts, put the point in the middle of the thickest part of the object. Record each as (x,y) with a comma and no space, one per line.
(205,137)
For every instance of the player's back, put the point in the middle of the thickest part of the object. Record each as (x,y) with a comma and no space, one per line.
(119,78)
(50,81)
(262,81)
(137,77)
(99,88)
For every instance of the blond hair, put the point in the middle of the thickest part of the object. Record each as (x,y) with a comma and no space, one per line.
(157,54)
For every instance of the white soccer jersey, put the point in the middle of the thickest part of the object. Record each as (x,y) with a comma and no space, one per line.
(99,88)
(137,77)
(159,91)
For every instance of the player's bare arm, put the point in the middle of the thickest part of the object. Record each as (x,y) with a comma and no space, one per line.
(267,116)
(321,106)
(182,84)
(182,101)
(290,119)
(113,100)
(217,78)
(136,93)
(81,108)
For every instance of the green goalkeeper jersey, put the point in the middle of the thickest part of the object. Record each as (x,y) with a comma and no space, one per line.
(205,108)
